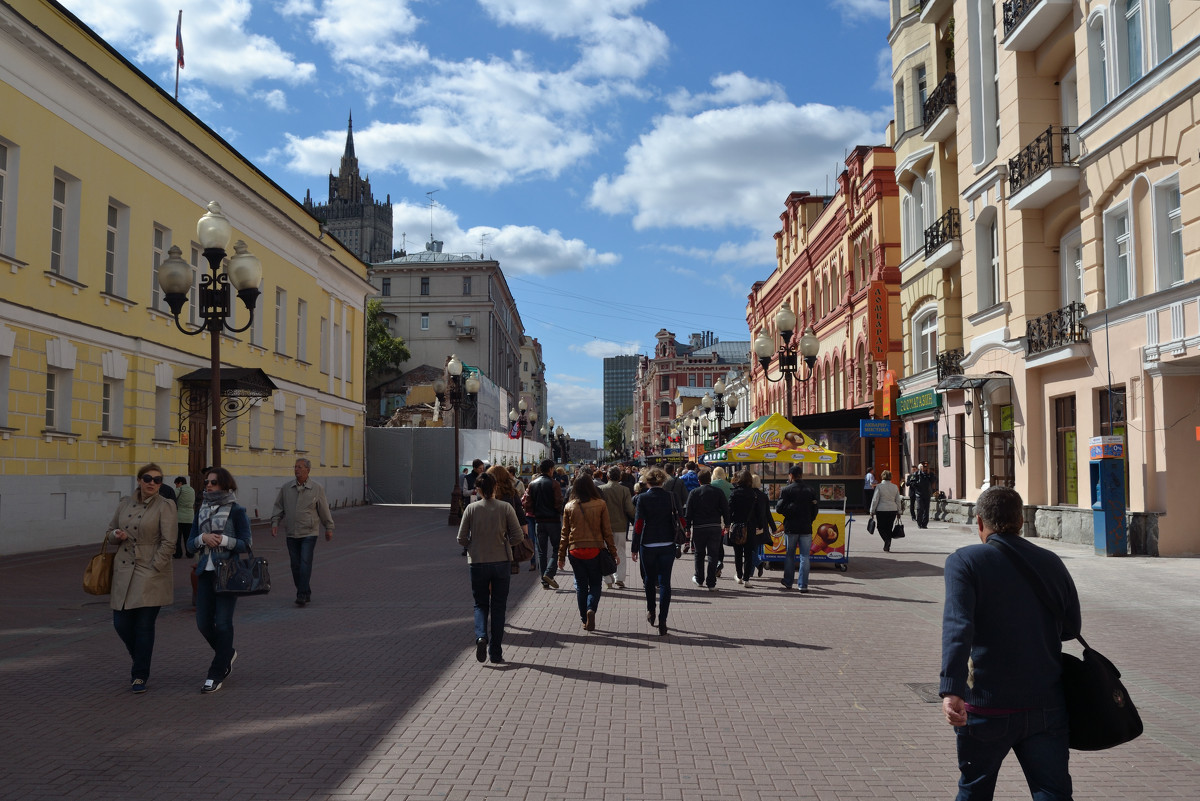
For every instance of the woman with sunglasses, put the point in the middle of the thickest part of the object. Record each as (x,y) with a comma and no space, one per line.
(221,528)
(145,528)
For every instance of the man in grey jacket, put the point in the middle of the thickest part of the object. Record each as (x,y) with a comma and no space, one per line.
(620,514)
(302,507)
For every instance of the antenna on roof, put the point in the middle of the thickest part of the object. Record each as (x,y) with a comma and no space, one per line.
(482,244)
(432,203)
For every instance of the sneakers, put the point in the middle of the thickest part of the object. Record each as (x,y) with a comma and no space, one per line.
(620,585)
(719,569)
(746,583)
(138,686)
(609,584)
(589,624)
(229,669)
(481,649)
(696,581)
(549,583)
(804,590)
(498,660)
(650,616)
(760,570)
(210,686)
(712,589)
(662,629)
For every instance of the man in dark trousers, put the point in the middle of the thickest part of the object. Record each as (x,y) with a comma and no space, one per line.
(922,485)
(543,501)
(707,512)
(798,505)
(1001,679)
(677,489)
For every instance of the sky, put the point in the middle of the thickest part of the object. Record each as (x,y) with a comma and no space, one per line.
(626,161)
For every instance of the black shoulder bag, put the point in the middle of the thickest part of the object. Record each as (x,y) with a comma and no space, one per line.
(1101,713)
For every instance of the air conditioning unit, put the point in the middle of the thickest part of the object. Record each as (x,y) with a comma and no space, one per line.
(452,322)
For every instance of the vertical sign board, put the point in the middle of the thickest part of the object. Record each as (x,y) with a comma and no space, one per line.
(877,321)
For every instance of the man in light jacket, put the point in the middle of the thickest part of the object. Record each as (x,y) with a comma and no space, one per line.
(302,507)
(620,514)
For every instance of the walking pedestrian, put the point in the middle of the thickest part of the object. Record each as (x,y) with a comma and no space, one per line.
(543,501)
(620,516)
(185,506)
(510,490)
(923,485)
(707,511)
(798,505)
(1001,677)
(488,530)
(304,510)
(764,533)
(869,484)
(743,514)
(885,507)
(586,529)
(678,489)
(145,527)
(654,545)
(221,528)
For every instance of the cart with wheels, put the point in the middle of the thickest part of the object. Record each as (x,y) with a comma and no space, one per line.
(830,540)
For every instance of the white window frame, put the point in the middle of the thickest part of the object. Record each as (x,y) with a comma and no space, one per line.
(325,346)
(901,111)
(1168,227)
(925,337)
(989,264)
(64,225)
(982,53)
(112,407)
(278,434)
(1130,24)
(300,431)
(281,321)
(1098,62)
(9,173)
(920,93)
(302,330)
(1070,251)
(59,386)
(424,321)
(160,244)
(1118,244)
(162,413)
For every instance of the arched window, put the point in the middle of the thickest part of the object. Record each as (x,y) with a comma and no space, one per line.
(982,50)
(988,258)
(925,338)
(1097,63)
(1129,30)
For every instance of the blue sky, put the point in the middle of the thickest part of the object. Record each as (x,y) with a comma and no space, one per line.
(626,161)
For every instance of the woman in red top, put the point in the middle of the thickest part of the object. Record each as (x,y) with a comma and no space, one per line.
(585,531)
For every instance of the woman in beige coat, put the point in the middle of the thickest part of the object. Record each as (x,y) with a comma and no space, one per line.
(145,527)
(586,529)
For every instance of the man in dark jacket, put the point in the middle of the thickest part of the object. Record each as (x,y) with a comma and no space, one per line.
(922,484)
(677,489)
(1001,679)
(543,501)
(707,511)
(798,505)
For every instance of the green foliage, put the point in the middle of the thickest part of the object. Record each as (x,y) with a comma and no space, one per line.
(614,432)
(384,351)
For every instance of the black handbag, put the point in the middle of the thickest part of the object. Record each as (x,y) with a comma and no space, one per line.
(737,534)
(898,531)
(1099,710)
(871,525)
(608,565)
(681,536)
(236,576)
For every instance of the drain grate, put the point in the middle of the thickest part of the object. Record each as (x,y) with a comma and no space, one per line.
(926,692)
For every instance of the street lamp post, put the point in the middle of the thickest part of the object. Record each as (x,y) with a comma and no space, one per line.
(243,273)
(562,443)
(525,419)
(808,347)
(453,395)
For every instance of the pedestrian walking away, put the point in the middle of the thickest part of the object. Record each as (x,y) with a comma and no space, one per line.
(1001,677)
(764,528)
(654,545)
(185,506)
(510,490)
(707,511)
(221,529)
(488,530)
(619,499)
(922,484)
(145,527)
(869,484)
(586,530)
(743,514)
(798,506)
(304,510)
(885,507)
(543,501)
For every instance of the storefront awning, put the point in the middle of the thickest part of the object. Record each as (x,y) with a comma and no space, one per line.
(966,382)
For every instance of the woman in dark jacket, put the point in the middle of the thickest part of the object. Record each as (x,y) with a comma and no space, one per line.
(654,545)
(764,527)
(743,514)
(221,529)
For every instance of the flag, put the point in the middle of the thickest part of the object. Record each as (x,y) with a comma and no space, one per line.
(515,431)
(179,39)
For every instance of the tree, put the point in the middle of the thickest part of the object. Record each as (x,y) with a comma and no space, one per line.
(384,351)
(614,433)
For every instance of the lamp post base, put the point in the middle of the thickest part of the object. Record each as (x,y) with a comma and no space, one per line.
(456,505)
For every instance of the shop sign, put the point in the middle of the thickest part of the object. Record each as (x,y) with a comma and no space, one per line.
(1006,418)
(877,321)
(1106,448)
(918,402)
(874,428)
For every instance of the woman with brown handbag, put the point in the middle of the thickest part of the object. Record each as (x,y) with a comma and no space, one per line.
(586,530)
(145,528)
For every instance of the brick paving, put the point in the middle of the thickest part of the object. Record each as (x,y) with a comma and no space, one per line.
(373,691)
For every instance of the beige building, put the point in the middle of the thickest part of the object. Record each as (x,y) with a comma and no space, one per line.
(101,173)
(1078,145)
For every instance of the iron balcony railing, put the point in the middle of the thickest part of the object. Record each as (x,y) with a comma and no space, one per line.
(1015,11)
(1059,327)
(947,228)
(949,363)
(945,94)
(1054,147)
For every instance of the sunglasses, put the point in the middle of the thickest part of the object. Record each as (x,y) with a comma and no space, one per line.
(208,482)
(152,479)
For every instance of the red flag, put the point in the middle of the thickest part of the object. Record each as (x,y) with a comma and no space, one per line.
(179,39)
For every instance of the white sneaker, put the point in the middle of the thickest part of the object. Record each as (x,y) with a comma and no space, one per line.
(746,583)
(609,584)
(696,581)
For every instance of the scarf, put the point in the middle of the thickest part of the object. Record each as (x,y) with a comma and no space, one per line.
(213,515)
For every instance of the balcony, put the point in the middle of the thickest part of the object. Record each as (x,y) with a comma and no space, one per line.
(1054,330)
(943,241)
(465,332)
(934,10)
(1044,170)
(941,110)
(949,363)
(1027,23)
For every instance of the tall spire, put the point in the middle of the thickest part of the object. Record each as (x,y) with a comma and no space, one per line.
(349,154)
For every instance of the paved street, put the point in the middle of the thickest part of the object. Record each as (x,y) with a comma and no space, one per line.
(373,691)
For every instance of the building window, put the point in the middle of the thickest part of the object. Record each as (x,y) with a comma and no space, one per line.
(1097,63)
(1131,40)
(280,321)
(925,338)
(424,286)
(58,400)
(424,322)
(161,243)
(988,264)
(1066,451)
(301,439)
(8,191)
(256,325)
(901,126)
(1170,232)
(112,408)
(302,330)
(194,260)
(162,413)
(1162,30)
(255,426)
(1118,244)
(278,444)
(664,383)
(5,369)
(51,399)
(324,346)
(922,94)
(466,285)
(1070,251)
(664,409)
(982,49)
(386,288)
(337,350)
(64,225)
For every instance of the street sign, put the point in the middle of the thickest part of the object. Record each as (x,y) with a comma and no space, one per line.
(874,428)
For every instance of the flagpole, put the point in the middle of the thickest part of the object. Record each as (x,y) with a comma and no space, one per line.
(178,51)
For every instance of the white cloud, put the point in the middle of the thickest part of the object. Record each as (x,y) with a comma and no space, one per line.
(577,406)
(363,31)
(883,71)
(218,46)
(275,99)
(855,9)
(733,89)
(603,349)
(733,166)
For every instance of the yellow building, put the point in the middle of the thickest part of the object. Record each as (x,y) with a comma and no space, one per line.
(1078,144)
(101,173)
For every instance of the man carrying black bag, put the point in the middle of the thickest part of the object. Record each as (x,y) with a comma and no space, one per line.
(1001,678)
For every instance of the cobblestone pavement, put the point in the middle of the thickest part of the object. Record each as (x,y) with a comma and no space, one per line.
(373,691)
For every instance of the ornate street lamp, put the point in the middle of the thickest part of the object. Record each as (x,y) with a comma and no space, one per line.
(808,347)
(524,420)
(453,395)
(243,272)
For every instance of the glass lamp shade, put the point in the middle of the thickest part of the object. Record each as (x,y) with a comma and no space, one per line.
(522,405)
(560,431)
(551,423)
(533,416)
(764,347)
(732,403)
(706,401)
(810,346)
(472,384)
(439,386)
(175,274)
(719,387)
(703,423)
(512,415)
(545,431)
(213,229)
(244,269)
(785,319)
(454,366)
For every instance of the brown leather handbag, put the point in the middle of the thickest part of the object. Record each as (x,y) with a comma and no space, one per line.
(97,576)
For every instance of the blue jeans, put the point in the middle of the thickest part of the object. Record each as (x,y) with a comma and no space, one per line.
(548,533)
(135,627)
(588,581)
(489,587)
(657,564)
(1037,736)
(214,618)
(792,542)
(300,551)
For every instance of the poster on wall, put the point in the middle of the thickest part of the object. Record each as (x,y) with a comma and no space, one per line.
(828,541)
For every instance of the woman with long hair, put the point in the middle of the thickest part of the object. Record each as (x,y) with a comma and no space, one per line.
(885,507)
(654,545)
(743,515)
(509,489)
(221,529)
(585,531)
(144,526)
(488,530)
